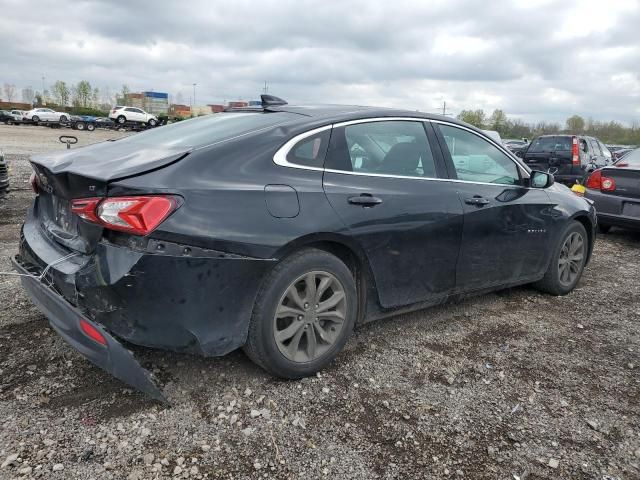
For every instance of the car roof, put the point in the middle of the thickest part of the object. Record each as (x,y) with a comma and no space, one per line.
(327,113)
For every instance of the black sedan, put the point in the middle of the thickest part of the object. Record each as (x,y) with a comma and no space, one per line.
(616,192)
(277,229)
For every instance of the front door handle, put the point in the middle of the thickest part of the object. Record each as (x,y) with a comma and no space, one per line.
(477,201)
(365,200)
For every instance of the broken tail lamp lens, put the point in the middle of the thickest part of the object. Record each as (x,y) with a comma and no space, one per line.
(138,215)
(92,332)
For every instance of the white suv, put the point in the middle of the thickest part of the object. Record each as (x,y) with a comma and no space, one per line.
(46,115)
(122,115)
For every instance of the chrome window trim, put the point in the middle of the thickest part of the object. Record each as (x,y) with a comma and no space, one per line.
(280,157)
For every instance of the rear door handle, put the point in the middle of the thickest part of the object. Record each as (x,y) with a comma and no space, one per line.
(477,201)
(365,200)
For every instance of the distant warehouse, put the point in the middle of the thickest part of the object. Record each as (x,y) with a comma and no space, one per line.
(156,103)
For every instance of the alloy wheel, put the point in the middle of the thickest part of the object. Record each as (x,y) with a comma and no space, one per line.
(571,258)
(310,316)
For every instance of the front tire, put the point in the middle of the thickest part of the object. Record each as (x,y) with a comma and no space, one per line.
(121,119)
(79,126)
(35,119)
(152,122)
(568,261)
(91,127)
(303,315)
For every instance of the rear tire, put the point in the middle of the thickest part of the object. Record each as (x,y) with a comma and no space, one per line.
(79,126)
(568,261)
(91,127)
(152,123)
(286,312)
(604,228)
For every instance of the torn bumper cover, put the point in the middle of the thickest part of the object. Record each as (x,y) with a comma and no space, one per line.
(65,319)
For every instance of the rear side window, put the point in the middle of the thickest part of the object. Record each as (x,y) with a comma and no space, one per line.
(310,151)
(477,160)
(209,129)
(551,144)
(398,148)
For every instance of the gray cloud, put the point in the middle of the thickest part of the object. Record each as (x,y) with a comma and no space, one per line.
(542,61)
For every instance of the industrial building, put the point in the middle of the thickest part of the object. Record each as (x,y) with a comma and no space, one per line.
(156,103)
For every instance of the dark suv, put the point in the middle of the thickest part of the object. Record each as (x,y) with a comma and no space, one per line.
(567,157)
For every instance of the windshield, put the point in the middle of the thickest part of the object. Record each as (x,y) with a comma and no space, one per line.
(551,144)
(209,129)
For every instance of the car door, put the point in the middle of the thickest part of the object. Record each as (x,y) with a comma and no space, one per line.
(506,233)
(383,177)
(133,114)
(48,114)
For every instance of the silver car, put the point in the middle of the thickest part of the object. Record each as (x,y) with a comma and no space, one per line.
(615,189)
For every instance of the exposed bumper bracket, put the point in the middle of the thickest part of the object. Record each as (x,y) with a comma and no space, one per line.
(65,319)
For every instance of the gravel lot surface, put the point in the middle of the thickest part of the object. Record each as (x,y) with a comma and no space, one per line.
(511,385)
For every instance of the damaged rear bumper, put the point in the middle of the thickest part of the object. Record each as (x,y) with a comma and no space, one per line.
(65,319)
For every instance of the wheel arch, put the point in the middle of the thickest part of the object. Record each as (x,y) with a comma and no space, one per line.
(588,225)
(348,252)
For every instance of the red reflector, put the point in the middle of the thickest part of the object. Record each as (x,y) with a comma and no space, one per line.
(92,332)
(622,165)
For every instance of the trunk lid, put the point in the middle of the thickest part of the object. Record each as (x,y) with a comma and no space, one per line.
(83,173)
(627,181)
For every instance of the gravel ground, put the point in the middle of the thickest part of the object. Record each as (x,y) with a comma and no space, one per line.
(511,385)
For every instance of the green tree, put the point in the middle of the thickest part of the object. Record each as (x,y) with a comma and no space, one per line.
(477,118)
(61,93)
(82,94)
(498,122)
(575,124)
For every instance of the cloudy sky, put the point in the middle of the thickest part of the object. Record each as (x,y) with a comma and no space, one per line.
(537,60)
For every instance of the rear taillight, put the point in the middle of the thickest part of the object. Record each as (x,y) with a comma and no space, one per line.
(138,215)
(597,182)
(621,165)
(575,152)
(33,180)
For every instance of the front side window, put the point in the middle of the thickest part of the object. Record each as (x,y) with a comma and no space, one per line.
(477,160)
(595,148)
(398,148)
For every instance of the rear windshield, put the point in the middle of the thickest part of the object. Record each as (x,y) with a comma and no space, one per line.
(632,159)
(551,144)
(209,129)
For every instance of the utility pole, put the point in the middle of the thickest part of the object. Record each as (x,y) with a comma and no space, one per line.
(194,95)
(266,87)
(44,102)
(444,107)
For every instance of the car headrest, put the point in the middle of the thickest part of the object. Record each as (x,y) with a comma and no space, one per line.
(401,158)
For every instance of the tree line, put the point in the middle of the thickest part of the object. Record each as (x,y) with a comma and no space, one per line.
(609,132)
(81,95)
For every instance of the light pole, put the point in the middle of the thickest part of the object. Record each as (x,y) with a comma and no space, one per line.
(194,95)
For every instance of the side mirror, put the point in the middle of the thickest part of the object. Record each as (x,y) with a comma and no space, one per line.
(541,179)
